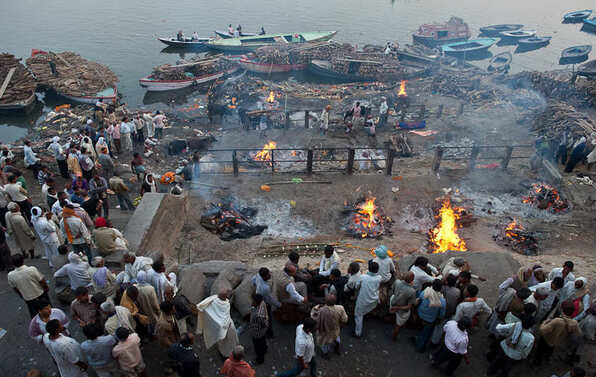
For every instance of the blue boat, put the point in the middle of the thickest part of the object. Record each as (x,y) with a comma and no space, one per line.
(576,16)
(590,23)
(470,46)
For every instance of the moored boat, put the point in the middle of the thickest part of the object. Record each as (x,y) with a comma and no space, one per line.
(534,41)
(432,35)
(518,34)
(254,66)
(188,43)
(17,84)
(470,46)
(109,95)
(587,69)
(576,16)
(500,62)
(590,23)
(249,44)
(576,52)
(325,69)
(165,85)
(495,30)
(226,35)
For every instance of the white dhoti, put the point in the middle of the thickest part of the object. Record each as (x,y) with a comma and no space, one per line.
(227,344)
(401,317)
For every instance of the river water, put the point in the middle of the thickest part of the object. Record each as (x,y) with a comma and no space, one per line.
(121,33)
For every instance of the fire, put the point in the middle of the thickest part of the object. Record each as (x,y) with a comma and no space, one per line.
(271,97)
(368,209)
(265,153)
(402,89)
(513,229)
(444,236)
(546,197)
(367,220)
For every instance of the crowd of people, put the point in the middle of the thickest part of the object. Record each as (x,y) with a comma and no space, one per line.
(568,149)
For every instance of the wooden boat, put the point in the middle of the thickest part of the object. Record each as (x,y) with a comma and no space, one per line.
(23,105)
(590,23)
(17,84)
(500,62)
(188,43)
(432,35)
(164,85)
(576,16)
(248,44)
(587,69)
(109,95)
(324,69)
(253,65)
(470,46)
(534,41)
(495,30)
(576,52)
(518,34)
(226,35)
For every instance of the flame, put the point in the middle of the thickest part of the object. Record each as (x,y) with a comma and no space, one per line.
(271,97)
(368,209)
(512,231)
(444,236)
(402,89)
(545,197)
(265,153)
(368,220)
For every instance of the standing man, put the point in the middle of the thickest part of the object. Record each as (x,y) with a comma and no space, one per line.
(28,283)
(119,187)
(98,189)
(18,194)
(262,283)
(77,271)
(258,327)
(187,361)
(17,226)
(215,323)
(98,351)
(158,124)
(82,309)
(65,350)
(330,318)
(305,350)
(383,112)
(324,126)
(368,296)
(566,272)
(402,300)
(430,310)
(515,347)
(75,231)
(235,366)
(455,346)
(47,231)
(557,333)
(126,129)
(128,353)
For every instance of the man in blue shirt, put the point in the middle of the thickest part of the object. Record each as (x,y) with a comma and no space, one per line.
(98,350)
(430,310)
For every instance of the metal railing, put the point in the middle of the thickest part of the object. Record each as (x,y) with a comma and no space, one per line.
(476,155)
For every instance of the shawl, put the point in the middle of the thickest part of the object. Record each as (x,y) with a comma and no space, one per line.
(66,213)
(213,319)
(433,297)
(326,320)
(100,277)
(237,368)
(152,185)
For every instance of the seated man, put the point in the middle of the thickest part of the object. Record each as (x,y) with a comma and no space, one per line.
(302,275)
(291,294)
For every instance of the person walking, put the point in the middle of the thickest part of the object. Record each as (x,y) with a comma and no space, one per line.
(47,232)
(455,345)
(430,310)
(402,301)
(28,283)
(119,187)
(304,350)
(258,326)
(17,227)
(368,296)
(330,317)
(128,353)
(516,346)
(216,324)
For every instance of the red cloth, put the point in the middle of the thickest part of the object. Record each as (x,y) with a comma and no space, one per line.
(100,222)
(237,368)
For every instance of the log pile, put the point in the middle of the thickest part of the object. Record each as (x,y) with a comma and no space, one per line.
(377,66)
(167,72)
(74,74)
(21,85)
(559,116)
(556,85)
(302,54)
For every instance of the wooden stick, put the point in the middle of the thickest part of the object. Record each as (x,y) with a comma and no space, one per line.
(7,81)
(290,182)
(208,185)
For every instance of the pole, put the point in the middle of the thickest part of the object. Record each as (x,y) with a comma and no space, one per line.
(235,163)
(306,120)
(309,158)
(437,159)
(350,167)
(473,157)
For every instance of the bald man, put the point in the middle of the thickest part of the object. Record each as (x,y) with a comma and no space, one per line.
(288,290)
(215,323)
(402,300)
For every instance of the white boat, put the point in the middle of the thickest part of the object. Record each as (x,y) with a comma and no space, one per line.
(107,95)
(164,85)
(518,34)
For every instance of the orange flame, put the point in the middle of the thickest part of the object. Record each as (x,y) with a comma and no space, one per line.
(271,97)
(265,153)
(512,230)
(402,89)
(368,209)
(444,236)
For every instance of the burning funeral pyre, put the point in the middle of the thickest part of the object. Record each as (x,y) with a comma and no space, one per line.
(514,235)
(544,196)
(265,154)
(444,237)
(366,219)
(231,221)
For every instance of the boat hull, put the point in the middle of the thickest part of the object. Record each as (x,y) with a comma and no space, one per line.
(577,16)
(469,47)
(226,47)
(494,30)
(322,69)
(167,85)
(518,34)
(23,105)
(590,24)
(181,44)
(529,42)
(588,69)
(432,42)
(92,99)
(255,67)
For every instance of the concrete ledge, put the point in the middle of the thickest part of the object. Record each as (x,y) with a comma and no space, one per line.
(156,224)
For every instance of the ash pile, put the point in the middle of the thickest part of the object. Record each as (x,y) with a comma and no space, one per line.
(69,73)
(512,234)
(231,221)
(365,219)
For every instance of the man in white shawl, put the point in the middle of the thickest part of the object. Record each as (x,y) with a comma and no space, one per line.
(132,265)
(215,323)
(117,316)
(47,231)
(368,296)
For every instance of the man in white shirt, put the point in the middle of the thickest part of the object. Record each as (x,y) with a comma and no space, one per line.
(368,296)
(65,350)
(515,347)
(158,124)
(126,129)
(553,287)
(305,350)
(566,272)
(28,283)
(424,272)
(383,112)
(288,290)
(354,275)
(455,346)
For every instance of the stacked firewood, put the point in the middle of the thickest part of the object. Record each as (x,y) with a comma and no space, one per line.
(558,116)
(304,54)
(72,74)
(556,85)
(22,84)
(168,72)
(273,55)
